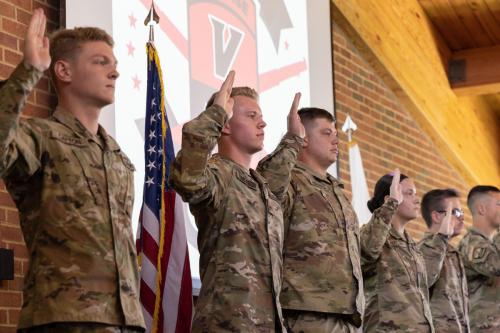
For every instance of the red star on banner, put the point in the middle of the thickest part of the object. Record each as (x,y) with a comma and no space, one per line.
(132,20)
(131,49)
(137,82)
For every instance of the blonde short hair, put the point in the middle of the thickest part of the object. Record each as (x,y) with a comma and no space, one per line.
(237,91)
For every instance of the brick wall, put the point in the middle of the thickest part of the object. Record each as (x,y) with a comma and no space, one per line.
(14,17)
(387,135)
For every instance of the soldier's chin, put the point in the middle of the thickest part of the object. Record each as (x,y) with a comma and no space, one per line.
(412,216)
(106,101)
(256,149)
(457,232)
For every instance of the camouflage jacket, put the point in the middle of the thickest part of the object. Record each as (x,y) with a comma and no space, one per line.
(397,294)
(321,262)
(74,192)
(447,284)
(481,257)
(240,231)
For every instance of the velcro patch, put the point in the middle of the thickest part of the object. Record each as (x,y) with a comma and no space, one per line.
(478,253)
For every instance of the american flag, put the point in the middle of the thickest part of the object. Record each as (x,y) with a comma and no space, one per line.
(166,289)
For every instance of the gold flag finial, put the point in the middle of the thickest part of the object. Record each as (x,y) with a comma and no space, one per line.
(152,19)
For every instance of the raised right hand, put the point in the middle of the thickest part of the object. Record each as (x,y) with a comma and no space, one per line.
(295,125)
(36,44)
(223,97)
(395,190)
(446,227)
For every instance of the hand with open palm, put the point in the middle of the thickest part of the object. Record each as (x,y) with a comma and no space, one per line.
(295,125)
(223,97)
(446,227)
(36,44)
(395,191)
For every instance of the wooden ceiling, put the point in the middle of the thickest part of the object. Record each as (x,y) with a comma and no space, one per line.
(465,24)
(471,30)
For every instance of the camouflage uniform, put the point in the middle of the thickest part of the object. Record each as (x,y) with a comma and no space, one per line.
(240,231)
(321,263)
(80,328)
(481,257)
(447,284)
(397,295)
(74,192)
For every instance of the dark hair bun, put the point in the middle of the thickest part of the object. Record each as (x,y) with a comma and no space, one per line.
(371,205)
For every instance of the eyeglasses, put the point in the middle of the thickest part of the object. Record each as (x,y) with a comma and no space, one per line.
(458,213)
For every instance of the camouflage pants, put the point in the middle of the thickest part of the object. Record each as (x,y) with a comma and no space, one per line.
(80,328)
(317,322)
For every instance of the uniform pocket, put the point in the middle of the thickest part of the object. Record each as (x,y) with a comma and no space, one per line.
(71,164)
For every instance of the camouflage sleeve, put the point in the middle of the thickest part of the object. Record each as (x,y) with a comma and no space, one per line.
(433,248)
(277,166)
(287,205)
(374,234)
(18,143)
(190,175)
(482,256)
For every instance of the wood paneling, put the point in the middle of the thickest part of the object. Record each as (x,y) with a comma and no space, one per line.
(482,71)
(465,24)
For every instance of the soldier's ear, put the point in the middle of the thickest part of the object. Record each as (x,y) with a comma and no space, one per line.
(435,216)
(62,71)
(226,129)
(306,142)
(480,208)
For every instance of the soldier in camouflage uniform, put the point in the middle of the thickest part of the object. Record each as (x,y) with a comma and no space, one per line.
(444,217)
(480,250)
(240,224)
(322,282)
(397,294)
(73,187)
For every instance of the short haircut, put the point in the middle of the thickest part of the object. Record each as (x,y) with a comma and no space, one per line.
(478,191)
(382,188)
(2,82)
(434,201)
(307,115)
(237,91)
(65,43)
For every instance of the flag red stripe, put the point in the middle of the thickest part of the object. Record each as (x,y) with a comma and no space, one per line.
(185,299)
(169,204)
(147,298)
(149,247)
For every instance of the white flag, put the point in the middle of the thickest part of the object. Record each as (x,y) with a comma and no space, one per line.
(359,188)
(358,183)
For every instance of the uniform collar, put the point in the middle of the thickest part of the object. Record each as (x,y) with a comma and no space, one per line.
(237,166)
(450,248)
(475,230)
(69,120)
(406,237)
(248,176)
(314,175)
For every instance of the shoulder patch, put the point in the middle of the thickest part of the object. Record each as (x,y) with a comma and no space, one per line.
(478,253)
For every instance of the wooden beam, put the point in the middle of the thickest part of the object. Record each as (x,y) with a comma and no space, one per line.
(475,71)
(403,47)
